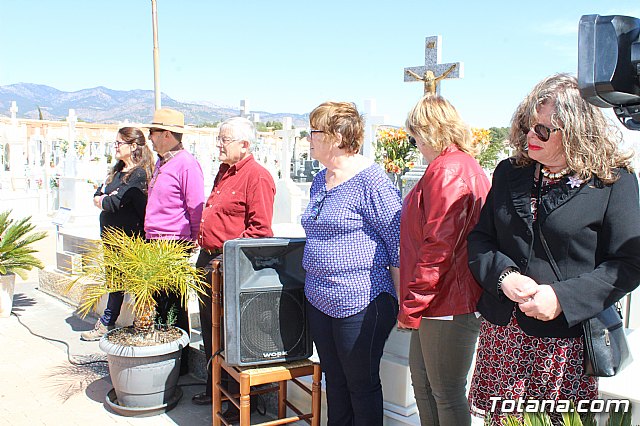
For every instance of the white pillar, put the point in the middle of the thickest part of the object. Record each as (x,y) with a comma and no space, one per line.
(70,166)
(372,122)
(288,201)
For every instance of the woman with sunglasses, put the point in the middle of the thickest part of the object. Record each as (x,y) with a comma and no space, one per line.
(352,225)
(557,242)
(438,294)
(123,200)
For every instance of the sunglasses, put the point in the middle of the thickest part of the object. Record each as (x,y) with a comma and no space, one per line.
(412,141)
(542,132)
(154,130)
(317,206)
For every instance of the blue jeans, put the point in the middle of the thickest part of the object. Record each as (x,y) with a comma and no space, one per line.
(350,350)
(112,311)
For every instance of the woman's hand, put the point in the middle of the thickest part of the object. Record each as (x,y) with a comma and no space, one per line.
(544,306)
(97,201)
(519,288)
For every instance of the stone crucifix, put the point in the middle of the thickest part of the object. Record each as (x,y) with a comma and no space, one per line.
(433,71)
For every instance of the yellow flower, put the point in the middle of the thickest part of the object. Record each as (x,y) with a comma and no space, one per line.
(393,149)
(481,136)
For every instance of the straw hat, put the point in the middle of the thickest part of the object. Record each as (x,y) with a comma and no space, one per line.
(167,119)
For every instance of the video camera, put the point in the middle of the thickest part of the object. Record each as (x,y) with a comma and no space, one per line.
(609,65)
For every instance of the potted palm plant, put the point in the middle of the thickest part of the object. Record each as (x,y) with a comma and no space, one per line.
(16,256)
(144,359)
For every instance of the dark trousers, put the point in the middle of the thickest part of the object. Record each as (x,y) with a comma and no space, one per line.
(112,311)
(204,261)
(440,356)
(350,350)
(165,302)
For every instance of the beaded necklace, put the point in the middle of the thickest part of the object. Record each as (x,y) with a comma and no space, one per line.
(555,175)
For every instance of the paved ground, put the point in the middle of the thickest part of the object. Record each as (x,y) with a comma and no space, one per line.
(39,386)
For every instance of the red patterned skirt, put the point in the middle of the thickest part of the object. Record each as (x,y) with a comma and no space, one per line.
(513,365)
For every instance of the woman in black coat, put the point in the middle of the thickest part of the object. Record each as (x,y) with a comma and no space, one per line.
(568,182)
(123,200)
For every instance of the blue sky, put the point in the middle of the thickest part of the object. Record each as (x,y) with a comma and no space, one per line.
(289,56)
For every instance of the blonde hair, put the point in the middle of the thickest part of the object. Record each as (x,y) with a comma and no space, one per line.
(590,141)
(342,118)
(435,121)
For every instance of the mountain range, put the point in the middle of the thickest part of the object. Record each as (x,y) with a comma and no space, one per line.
(103,105)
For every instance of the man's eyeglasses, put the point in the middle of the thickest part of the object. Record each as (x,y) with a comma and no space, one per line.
(312,131)
(226,142)
(118,143)
(317,205)
(542,132)
(412,141)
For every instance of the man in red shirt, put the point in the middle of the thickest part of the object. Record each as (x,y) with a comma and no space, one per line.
(240,206)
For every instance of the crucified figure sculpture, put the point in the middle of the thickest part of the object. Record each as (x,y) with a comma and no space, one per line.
(429,78)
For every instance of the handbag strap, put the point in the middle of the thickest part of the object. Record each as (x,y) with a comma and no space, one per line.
(556,270)
(543,241)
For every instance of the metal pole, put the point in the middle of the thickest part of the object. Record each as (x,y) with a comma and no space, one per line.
(156,55)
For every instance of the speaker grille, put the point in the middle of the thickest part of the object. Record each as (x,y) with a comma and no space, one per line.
(273,325)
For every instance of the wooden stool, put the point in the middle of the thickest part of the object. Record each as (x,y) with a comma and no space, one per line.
(277,374)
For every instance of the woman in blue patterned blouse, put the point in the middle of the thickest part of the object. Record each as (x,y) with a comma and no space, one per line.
(352,224)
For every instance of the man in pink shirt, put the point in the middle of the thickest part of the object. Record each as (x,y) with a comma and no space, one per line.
(176,190)
(175,200)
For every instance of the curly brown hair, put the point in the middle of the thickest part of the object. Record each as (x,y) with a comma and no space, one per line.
(342,118)
(590,141)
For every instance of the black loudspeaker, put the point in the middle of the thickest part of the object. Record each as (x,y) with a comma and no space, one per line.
(265,318)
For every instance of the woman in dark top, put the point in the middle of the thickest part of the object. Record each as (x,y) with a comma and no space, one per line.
(123,199)
(568,187)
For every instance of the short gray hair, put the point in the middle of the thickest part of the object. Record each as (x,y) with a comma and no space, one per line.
(241,128)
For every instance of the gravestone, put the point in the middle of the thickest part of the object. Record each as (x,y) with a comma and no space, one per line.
(412,177)
(70,160)
(75,189)
(288,201)
(16,151)
(14,113)
(430,74)
(372,122)
(244,108)
(433,71)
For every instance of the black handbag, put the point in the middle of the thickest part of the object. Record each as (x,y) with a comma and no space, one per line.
(605,343)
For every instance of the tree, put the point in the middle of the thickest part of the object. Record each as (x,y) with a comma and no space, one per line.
(209,124)
(493,147)
(274,125)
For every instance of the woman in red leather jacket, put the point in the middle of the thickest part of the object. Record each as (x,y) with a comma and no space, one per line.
(438,294)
